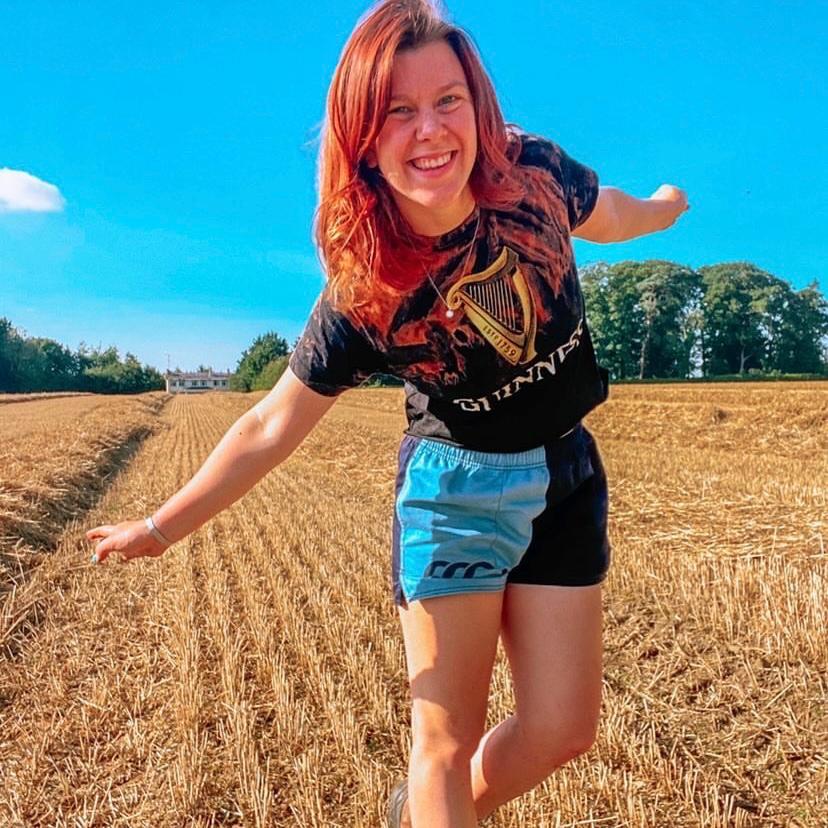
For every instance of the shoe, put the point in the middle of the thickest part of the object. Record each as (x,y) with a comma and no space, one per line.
(396,801)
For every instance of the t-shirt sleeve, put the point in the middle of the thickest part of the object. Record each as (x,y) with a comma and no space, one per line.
(332,354)
(578,182)
(581,188)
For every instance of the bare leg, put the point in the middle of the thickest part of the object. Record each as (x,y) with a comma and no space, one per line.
(450,645)
(552,637)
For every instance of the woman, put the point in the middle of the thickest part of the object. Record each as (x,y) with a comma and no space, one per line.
(446,241)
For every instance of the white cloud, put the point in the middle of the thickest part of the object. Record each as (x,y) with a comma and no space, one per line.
(22,192)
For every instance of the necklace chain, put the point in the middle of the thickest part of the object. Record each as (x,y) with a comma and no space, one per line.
(449,311)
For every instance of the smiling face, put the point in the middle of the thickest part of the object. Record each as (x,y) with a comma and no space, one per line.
(427,146)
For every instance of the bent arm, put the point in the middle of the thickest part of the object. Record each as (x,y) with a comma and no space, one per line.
(618,216)
(257,442)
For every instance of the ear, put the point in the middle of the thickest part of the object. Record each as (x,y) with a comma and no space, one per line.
(371,159)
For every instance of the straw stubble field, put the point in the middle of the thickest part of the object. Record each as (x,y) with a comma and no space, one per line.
(254,674)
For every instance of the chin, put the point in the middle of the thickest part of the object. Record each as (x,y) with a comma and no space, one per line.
(437,200)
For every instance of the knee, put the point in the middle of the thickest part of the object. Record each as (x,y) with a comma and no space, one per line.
(554,742)
(579,740)
(448,749)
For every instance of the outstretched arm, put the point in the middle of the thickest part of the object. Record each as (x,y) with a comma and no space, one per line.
(259,440)
(618,216)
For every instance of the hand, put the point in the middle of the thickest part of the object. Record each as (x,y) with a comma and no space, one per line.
(674,200)
(129,539)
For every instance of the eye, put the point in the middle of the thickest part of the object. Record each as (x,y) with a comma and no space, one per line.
(448,100)
(399,110)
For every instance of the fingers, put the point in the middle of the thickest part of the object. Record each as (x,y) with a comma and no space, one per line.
(123,542)
(103,552)
(678,197)
(111,556)
(103,549)
(100,532)
(112,543)
(118,546)
(669,192)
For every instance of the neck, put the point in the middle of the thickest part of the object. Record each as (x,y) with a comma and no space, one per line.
(435,222)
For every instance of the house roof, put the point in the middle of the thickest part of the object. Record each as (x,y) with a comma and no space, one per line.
(199,374)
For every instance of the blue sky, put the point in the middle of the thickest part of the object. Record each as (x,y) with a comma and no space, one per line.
(180,137)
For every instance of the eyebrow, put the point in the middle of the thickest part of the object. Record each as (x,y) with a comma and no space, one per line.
(440,91)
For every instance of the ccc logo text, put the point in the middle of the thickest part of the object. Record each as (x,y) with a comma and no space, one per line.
(463,569)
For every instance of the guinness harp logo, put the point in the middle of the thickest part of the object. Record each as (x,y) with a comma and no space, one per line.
(498,303)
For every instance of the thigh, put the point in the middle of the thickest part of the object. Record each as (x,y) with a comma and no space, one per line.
(450,647)
(552,638)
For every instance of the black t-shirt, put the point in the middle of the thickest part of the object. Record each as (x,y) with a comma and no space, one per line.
(512,365)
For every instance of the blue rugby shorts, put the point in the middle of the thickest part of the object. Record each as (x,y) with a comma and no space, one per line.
(471,521)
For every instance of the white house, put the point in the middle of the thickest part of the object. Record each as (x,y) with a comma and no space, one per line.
(194,382)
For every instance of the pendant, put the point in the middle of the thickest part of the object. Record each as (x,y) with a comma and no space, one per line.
(450,313)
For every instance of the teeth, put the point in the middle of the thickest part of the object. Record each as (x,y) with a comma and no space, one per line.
(431,163)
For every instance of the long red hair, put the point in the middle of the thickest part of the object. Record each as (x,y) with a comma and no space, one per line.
(359,230)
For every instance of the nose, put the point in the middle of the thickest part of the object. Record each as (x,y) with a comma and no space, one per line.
(429,125)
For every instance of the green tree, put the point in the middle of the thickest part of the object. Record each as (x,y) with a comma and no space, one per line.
(615,316)
(270,374)
(54,367)
(34,363)
(755,320)
(735,324)
(10,345)
(669,295)
(799,344)
(105,373)
(643,317)
(40,364)
(264,350)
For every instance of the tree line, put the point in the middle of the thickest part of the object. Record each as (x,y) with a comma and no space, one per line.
(39,364)
(659,319)
(653,319)
(662,320)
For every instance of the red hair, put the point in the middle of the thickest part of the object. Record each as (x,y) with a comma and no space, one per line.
(359,230)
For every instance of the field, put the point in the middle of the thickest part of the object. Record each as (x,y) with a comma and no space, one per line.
(56,456)
(254,674)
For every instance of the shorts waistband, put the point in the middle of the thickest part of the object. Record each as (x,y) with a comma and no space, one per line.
(488,459)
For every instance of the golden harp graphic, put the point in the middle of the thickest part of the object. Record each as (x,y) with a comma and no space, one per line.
(488,299)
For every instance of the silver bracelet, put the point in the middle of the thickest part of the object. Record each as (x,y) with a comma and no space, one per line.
(156,532)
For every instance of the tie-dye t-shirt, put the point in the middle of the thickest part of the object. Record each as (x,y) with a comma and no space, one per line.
(503,360)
